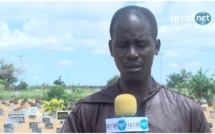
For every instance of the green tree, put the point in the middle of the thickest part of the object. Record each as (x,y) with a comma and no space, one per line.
(179,81)
(201,85)
(22,86)
(55,91)
(8,74)
(112,80)
(59,81)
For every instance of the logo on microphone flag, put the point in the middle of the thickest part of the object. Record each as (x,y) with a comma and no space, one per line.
(127,124)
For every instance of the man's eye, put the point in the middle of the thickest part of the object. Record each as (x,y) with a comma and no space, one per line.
(121,44)
(142,44)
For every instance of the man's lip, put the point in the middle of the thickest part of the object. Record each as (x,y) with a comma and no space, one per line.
(132,66)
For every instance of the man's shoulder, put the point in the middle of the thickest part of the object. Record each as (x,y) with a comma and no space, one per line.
(181,99)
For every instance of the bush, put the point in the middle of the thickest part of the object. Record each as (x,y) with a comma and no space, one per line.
(53,106)
(56,92)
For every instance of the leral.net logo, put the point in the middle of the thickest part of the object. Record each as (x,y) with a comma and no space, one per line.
(201,18)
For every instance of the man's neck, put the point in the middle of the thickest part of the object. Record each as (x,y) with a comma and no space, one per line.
(139,89)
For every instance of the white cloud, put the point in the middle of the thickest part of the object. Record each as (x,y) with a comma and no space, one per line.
(171,53)
(60,26)
(173,66)
(66,62)
(193,65)
(65,26)
(155,7)
(34,77)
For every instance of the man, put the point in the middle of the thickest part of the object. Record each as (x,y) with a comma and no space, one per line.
(133,45)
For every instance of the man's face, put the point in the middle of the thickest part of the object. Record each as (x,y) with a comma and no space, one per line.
(133,48)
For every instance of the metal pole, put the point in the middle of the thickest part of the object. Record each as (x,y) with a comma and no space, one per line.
(21,57)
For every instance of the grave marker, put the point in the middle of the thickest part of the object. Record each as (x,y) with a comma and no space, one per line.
(49,125)
(32,112)
(46,119)
(212,115)
(18,116)
(8,127)
(33,125)
(1,112)
(16,102)
(210,124)
(32,116)
(37,130)
(58,130)
(12,106)
(62,115)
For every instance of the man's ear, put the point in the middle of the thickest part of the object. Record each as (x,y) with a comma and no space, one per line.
(157,46)
(110,48)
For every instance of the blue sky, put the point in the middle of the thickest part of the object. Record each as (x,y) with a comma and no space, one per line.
(70,39)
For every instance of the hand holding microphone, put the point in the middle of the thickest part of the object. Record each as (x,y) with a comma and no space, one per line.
(126,107)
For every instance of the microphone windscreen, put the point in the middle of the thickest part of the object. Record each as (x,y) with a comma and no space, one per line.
(125,105)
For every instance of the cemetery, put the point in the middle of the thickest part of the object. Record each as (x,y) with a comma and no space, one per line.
(27,116)
(23,116)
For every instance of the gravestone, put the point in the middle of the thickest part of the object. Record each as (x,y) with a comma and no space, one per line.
(26,100)
(33,104)
(18,116)
(212,114)
(210,124)
(11,106)
(37,100)
(61,115)
(32,112)
(37,130)
(49,125)
(58,130)
(47,121)
(8,127)
(16,102)
(32,116)
(1,112)
(33,125)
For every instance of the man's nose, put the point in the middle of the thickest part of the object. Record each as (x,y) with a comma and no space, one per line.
(132,53)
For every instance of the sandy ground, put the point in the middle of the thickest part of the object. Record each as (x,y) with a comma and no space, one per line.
(24,127)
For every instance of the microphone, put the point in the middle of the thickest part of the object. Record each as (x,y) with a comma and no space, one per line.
(126,107)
